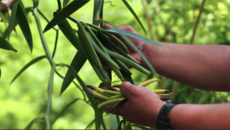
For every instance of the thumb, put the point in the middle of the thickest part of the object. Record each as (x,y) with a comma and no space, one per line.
(107,26)
(128,89)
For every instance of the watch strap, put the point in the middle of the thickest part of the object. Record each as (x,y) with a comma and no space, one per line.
(163,116)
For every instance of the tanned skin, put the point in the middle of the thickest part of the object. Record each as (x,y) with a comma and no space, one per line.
(205,67)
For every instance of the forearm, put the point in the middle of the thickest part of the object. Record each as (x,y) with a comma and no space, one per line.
(201,66)
(215,116)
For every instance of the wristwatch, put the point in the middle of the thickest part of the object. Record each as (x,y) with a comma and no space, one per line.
(163,116)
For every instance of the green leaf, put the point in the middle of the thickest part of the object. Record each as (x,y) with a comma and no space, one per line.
(69,33)
(0,72)
(28,65)
(24,25)
(12,18)
(29,126)
(97,11)
(65,2)
(134,14)
(4,19)
(127,77)
(67,11)
(113,121)
(136,36)
(77,64)
(6,45)
(65,108)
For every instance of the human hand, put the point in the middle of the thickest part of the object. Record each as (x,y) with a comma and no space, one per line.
(142,105)
(141,45)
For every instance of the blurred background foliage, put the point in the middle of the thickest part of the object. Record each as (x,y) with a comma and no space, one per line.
(172,21)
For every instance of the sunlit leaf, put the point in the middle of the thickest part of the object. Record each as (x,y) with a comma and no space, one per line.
(97,11)
(28,65)
(67,11)
(29,126)
(12,18)
(136,36)
(24,25)
(134,14)
(77,63)
(69,33)
(65,2)
(6,45)
(113,121)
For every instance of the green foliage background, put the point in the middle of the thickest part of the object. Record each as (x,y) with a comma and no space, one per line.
(25,99)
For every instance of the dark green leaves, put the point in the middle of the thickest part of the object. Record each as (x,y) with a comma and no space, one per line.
(98,11)
(65,2)
(77,64)
(69,33)
(67,11)
(134,14)
(6,45)
(12,18)
(24,25)
(28,65)
(136,36)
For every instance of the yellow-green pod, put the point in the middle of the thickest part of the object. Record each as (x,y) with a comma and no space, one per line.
(99,96)
(161,91)
(116,96)
(165,94)
(149,82)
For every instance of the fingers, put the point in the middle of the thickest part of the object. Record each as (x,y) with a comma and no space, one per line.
(128,90)
(107,26)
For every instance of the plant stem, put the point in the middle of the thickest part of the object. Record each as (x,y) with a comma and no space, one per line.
(148,19)
(197,22)
(53,65)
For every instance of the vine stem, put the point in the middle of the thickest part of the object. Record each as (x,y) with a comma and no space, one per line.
(175,84)
(148,19)
(53,65)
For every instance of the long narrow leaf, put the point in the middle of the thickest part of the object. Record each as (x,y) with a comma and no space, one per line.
(24,25)
(28,65)
(67,11)
(65,2)
(69,33)
(97,11)
(6,45)
(77,63)
(90,124)
(127,77)
(91,99)
(4,19)
(139,37)
(12,18)
(134,14)
(65,108)
(29,126)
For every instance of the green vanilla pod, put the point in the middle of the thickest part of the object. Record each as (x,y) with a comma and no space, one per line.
(129,62)
(104,56)
(117,41)
(115,47)
(122,66)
